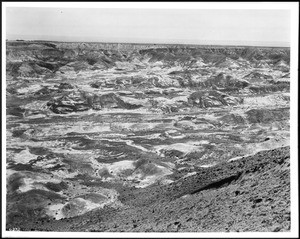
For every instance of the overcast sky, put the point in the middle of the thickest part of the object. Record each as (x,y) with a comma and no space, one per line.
(262,27)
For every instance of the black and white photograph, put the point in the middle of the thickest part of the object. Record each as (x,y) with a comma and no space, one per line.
(150,119)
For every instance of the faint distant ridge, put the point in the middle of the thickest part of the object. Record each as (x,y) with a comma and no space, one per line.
(147,41)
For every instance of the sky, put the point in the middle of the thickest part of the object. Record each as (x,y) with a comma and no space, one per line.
(190,26)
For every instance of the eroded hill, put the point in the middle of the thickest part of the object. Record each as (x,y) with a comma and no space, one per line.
(107,127)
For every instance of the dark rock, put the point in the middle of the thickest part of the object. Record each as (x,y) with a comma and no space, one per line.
(212,98)
(63,86)
(267,115)
(225,81)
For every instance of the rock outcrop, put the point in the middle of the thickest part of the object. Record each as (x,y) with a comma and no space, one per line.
(212,98)
(82,101)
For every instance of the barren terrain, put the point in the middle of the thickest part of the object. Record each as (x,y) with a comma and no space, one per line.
(124,137)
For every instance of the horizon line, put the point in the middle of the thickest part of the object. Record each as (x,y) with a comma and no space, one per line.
(78,39)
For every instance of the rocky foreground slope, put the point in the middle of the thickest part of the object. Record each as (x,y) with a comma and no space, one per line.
(250,194)
(122,137)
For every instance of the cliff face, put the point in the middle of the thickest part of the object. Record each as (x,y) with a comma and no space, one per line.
(110,133)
